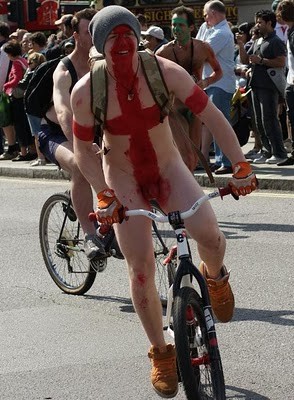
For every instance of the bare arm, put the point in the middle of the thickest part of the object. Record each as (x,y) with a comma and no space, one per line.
(61,98)
(217,72)
(182,85)
(244,57)
(88,162)
(278,62)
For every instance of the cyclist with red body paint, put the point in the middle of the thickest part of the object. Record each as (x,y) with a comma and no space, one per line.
(142,163)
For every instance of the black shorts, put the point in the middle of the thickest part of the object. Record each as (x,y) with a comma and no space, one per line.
(50,137)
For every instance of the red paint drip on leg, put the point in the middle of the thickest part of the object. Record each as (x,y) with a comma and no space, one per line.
(141,279)
(144,303)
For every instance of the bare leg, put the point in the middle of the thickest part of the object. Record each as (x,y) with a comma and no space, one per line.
(81,192)
(135,240)
(39,154)
(9,133)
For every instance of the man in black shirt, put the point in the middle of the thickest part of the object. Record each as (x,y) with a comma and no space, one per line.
(285,11)
(266,54)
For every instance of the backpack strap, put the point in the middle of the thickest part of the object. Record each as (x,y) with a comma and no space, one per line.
(74,77)
(156,82)
(99,93)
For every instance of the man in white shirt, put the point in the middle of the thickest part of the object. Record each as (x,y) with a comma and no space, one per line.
(217,33)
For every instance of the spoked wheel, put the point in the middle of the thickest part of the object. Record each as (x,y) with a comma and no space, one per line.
(199,363)
(163,240)
(62,246)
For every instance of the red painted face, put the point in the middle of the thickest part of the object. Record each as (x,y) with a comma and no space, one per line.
(121,45)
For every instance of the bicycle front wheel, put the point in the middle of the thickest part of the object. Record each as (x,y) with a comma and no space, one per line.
(199,363)
(62,246)
(163,240)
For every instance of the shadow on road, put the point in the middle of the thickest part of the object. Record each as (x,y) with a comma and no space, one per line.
(126,303)
(235,393)
(280,317)
(247,228)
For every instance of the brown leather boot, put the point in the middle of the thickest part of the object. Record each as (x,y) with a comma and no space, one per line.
(164,376)
(220,293)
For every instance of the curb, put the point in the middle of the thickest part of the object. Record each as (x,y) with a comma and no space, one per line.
(53,173)
(269,182)
(281,184)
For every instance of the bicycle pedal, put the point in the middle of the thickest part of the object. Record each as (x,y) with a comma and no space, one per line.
(98,264)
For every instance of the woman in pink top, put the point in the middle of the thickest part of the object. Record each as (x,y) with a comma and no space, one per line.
(20,127)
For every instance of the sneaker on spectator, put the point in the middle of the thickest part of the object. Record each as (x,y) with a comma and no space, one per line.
(288,145)
(164,377)
(220,293)
(93,247)
(8,156)
(275,160)
(260,160)
(252,154)
(38,162)
(288,161)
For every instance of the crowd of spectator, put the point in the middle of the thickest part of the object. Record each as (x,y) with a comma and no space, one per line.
(21,52)
(256,57)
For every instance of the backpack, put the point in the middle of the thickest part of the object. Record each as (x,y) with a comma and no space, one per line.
(38,95)
(156,84)
(153,77)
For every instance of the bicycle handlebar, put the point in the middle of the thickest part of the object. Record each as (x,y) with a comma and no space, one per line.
(220,192)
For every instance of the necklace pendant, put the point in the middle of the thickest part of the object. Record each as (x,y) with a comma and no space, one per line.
(130,96)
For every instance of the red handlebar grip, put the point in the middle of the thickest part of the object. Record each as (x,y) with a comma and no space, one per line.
(227,190)
(224,191)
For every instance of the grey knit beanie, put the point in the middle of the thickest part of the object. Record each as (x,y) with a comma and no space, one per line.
(105,20)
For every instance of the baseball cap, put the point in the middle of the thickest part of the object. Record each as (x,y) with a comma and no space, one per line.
(64,19)
(18,34)
(155,31)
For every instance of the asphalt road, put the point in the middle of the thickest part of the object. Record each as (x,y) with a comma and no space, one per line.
(60,347)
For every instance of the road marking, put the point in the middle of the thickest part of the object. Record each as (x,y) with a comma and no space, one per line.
(57,182)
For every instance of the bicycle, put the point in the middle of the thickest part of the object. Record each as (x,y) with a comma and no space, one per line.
(62,247)
(189,318)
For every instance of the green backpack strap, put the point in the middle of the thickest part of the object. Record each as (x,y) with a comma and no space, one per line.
(156,83)
(99,91)
(154,79)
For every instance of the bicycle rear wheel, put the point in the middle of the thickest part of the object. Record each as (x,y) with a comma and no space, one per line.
(62,246)
(163,241)
(199,363)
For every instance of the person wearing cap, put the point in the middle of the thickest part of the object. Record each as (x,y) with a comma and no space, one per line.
(153,38)
(65,25)
(139,163)
(190,54)
(18,34)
